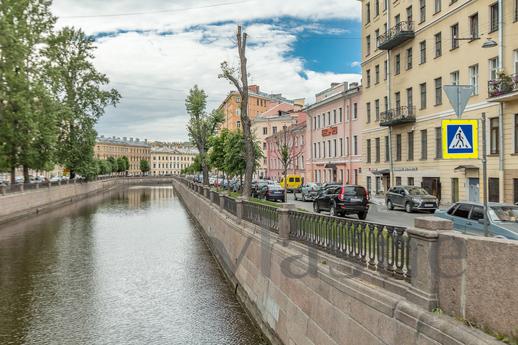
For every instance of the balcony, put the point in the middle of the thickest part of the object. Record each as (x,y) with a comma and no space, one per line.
(397,116)
(398,34)
(503,89)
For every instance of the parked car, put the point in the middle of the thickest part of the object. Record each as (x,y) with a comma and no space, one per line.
(271,192)
(343,200)
(308,191)
(257,185)
(468,217)
(411,198)
(294,182)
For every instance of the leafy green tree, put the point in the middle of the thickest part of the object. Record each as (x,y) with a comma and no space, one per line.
(126,164)
(235,154)
(80,88)
(104,167)
(113,164)
(217,151)
(144,166)
(121,164)
(201,126)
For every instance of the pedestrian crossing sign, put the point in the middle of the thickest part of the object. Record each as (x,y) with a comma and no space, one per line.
(460,139)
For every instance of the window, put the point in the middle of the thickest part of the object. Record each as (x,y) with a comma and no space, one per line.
(410,181)
(422,11)
(377,74)
(323,120)
(368,150)
(377,106)
(377,35)
(398,100)
(409,16)
(424,144)
(341,147)
(340,114)
(385,100)
(238,124)
(355,141)
(493,17)
(493,192)
(398,64)
(477,213)
(274,129)
(347,147)
(422,49)
(409,97)
(376,8)
(409,58)
(437,6)
(516,133)
(462,211)
(368,42)
(515,62)
(473,78)
(438,44)
(397,20)
(516,10)
(454,78)
(493,68)
(314,150)
(454,35)
(368,78)
(387,149)
(411,146)
(386,70)
(368,14)
(493,136)
(398,147)
(368,112)
(422,91)
(454,189)
(355,110)
(334,147)
(385,4)
(438,142)
(324,148)
(378,148)
(473,26)
(265,130)
(438,91)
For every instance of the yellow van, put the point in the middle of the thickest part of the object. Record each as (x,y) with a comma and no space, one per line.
(294,182)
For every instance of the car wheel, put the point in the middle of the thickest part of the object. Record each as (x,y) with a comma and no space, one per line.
(390,205)
(362,215)
(332,211)
(408,207)
(315,207)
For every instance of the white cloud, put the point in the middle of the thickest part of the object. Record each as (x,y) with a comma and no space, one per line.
(356,64)
(154,71)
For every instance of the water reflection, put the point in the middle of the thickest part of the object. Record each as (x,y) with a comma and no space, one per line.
(124,268)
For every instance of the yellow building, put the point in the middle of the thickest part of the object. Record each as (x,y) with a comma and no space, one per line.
(135,149)
(170,161)
(410,50)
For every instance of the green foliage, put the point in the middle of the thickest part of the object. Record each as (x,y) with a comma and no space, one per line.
(195,167)
(113,164)
(121,164)
(126,163)
(144,166)
(104,167)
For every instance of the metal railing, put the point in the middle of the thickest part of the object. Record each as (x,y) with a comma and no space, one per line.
(398,115)
(380,247)
(215,197)
(400,29)
(262,215)
(229,204)
(503,85)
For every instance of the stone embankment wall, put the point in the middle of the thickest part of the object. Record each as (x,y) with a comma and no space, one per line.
(301,296)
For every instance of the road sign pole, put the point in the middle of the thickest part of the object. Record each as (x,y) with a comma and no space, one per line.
(484,175)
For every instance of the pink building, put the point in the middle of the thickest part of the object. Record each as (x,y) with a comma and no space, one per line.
(333,135)
(294,137)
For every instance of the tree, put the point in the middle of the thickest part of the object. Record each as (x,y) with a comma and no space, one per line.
(235,157)
(144,166)
(113,164)
(126,164)
(218,150)
(104,167)
(287,152)
(241,84)
(121,164)
(79,87)
(201,126)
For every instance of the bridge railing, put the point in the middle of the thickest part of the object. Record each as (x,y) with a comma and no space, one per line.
(262,215)
(230,205)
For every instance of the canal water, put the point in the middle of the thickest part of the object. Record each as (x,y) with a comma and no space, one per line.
(125,268)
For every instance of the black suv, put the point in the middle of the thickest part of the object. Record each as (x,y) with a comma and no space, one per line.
(341,200)
(411,198)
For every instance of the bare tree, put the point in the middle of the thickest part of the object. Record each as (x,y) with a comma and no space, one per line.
(287,152)
(239,78)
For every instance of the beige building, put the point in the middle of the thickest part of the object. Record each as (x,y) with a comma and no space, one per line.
(135,149)
(170,161)
(410,50)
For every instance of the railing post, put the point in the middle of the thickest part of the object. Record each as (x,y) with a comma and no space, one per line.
(206,191)
(284,221)
(239,208)
(424,273)
(21,187)
(37,185)
(3,190)
(222,196)
(212,196)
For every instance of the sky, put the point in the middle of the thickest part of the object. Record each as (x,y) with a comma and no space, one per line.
(154,51)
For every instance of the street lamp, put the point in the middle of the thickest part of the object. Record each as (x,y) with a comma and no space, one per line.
(490,43)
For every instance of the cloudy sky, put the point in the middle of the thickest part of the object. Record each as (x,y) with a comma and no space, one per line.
(153,51)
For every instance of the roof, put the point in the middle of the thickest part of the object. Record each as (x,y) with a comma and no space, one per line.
(179,150)
(122,141)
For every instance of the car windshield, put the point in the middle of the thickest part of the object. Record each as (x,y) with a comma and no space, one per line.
(504,213)
(417,191)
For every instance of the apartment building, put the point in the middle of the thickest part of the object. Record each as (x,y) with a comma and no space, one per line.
(410,50)
(135,149)
(334,125)
(294,138)
(170,161)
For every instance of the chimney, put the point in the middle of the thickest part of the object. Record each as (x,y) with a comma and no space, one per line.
(145,140)
(253,88)
(131,139)
(353,85)
(124,139)
(334,84)
(137,140)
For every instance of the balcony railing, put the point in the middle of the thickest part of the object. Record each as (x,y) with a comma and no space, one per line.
(398,116)
(504,85)
(399,33)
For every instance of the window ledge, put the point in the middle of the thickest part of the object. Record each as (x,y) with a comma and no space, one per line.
(493,154)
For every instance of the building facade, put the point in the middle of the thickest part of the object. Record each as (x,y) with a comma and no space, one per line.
(135,149)
(334,126)
(294,137)
(170,161)
(410,50)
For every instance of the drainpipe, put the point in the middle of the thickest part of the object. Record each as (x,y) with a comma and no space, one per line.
(389,101)
(501,104)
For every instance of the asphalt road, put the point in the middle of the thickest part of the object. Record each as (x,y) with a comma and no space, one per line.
(377,213)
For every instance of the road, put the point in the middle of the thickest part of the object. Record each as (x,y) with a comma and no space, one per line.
(377,213)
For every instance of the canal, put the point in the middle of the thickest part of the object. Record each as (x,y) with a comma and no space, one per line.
(127,267)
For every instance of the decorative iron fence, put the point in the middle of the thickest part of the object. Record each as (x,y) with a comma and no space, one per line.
(398,115)
(503,85)
(215,197)
(229,204)
(262,215)
(379,247)
(395,32)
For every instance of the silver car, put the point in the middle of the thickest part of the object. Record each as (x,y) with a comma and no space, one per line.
(468,217)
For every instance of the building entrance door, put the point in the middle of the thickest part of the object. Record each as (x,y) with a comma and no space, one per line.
(474,189)
(432,186)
